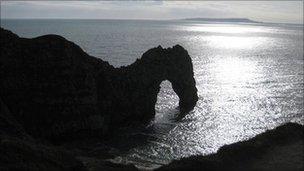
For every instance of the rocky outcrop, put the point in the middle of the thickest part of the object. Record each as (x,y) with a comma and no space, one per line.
(278,149)
(56,91)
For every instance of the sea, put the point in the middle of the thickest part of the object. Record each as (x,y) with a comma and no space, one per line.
(249,78)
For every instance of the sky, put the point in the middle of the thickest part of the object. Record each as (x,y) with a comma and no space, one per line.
(264,11)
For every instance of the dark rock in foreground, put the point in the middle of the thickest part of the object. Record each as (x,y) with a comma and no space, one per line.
(56,91)
(278,149)
(19,151)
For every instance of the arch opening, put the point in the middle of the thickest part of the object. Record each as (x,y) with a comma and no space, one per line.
(166,106)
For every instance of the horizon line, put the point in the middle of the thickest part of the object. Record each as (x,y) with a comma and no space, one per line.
(150,19)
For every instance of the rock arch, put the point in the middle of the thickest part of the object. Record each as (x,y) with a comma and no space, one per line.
(137,85)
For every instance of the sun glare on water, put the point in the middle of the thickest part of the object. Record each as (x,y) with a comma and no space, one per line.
(234,42)
(234,70)
(223,28)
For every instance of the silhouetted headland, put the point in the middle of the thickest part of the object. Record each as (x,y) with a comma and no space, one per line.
(57,91)
(51,91)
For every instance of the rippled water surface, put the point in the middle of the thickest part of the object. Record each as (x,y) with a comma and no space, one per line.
(249,77)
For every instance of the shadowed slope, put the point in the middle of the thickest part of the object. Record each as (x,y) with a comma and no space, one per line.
(277,149)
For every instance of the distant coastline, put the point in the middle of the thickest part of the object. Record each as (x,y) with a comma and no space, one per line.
(238,20)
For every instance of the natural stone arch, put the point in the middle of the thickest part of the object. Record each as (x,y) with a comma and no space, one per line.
(136,86)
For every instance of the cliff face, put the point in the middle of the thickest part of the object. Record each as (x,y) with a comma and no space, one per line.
(54,90)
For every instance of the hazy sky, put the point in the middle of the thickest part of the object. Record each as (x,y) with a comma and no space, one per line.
(266,11)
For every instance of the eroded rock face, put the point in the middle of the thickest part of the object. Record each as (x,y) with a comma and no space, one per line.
(55,90)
